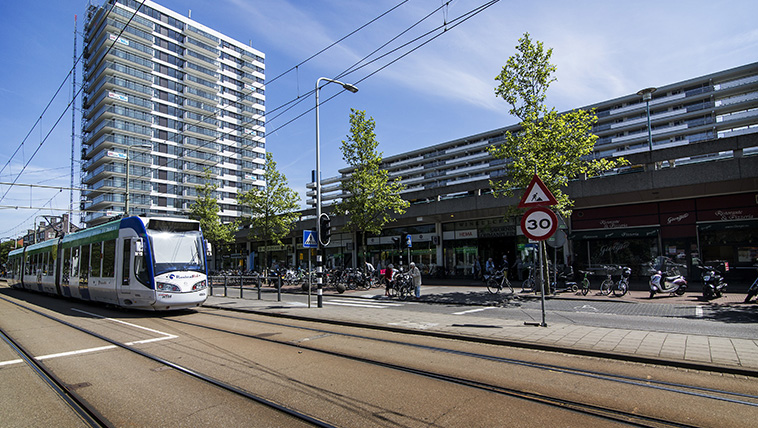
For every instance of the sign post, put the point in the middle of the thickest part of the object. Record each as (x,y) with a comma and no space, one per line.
(309,241)
(538,224)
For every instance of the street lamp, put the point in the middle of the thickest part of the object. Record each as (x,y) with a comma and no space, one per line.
(647,95)
(353,89)
(128,151)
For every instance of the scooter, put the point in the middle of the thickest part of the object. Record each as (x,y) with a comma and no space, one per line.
(564,283)
(713,283)
(671,282)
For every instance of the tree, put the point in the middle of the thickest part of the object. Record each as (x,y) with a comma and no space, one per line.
(5,248)
(554,146)
(205,209)
(371,196)
(273,208)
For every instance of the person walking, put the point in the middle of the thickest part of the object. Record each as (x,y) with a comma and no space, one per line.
(477,268)
(519,267)
(416,276)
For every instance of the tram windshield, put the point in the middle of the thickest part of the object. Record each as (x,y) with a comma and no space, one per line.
(177,251)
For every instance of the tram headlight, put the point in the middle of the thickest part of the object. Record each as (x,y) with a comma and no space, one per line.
(200,285)
(166,287)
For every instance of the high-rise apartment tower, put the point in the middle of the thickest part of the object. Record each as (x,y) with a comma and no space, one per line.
(173,100)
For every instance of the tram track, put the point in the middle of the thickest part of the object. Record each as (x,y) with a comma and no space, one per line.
(631,418)
(94,418)
(238,325)
(83,410)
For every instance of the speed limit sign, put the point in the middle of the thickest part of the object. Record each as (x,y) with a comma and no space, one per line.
(539,223)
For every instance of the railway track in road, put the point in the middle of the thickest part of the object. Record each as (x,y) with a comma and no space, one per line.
(275,360)
(745,400)
(79,407)
(88,411)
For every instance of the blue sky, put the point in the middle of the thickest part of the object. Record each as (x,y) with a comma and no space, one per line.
(440,92)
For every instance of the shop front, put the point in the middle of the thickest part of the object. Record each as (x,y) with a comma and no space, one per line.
(727,231)
(715,230)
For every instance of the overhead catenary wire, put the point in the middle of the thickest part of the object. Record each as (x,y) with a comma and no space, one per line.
(295,101)
(354,68)
(70,103)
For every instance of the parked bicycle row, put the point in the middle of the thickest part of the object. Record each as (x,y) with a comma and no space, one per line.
(665,277)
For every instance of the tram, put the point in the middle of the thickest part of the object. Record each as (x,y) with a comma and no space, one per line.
(134,262)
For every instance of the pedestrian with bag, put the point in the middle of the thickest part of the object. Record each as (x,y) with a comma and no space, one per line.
(416,276)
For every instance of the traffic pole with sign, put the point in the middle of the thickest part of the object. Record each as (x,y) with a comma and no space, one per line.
(538,224)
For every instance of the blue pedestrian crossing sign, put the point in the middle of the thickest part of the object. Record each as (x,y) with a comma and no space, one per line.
(309,239)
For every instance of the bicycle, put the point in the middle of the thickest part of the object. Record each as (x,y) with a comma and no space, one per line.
(529,283)
(585,284)
(403,285)
(607,284)
(498,281)
(618,288)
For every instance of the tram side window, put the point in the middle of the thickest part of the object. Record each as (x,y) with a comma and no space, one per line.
(96,258)
(126,259)
(75,262)
(66,265)
(45,262)
(109,258)
(27,265)
(140,268)
(84,264)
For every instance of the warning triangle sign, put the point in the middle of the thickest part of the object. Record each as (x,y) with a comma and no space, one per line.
(537,195)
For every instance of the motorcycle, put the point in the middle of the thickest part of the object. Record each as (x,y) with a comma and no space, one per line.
(670,282)
(714,285)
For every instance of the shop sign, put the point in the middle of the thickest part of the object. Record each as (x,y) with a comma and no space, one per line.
(466,234)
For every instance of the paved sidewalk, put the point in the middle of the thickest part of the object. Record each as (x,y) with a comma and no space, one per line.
(728,355)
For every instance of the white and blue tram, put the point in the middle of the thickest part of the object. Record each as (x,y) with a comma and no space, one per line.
(134,262)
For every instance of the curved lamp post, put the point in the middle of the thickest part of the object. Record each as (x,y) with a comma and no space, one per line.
(647,95)
(353,89)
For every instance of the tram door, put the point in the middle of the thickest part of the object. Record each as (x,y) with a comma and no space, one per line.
(126,268)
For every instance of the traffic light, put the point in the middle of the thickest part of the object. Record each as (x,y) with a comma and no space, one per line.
(325,229)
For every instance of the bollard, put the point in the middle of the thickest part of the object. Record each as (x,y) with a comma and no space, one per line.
(279,291)
(258,285)
(242,282)
(225,283)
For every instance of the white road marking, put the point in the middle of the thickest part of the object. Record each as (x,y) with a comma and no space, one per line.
(699,311)
(356,304)
(412,324)
(165,336)
(471,311)
(368,302)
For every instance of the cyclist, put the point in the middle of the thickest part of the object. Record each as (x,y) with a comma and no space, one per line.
(389,275)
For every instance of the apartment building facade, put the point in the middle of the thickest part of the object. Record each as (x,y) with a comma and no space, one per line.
(166,101)
(697,166)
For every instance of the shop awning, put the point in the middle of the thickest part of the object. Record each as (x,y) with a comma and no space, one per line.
(631,233)
(727,225)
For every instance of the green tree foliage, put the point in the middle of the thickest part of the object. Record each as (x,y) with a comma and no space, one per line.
(557,147)
(371,196)
(5,248)
(273,208)
(205,209)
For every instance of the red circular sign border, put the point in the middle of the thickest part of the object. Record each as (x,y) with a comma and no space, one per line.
(553,228)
